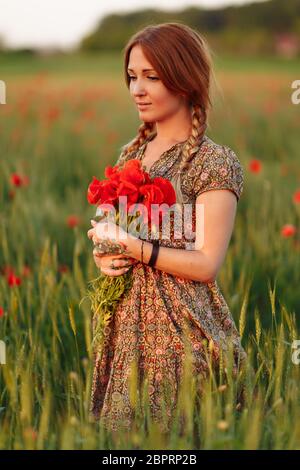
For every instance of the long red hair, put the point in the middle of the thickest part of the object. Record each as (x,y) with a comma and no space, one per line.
(182,59)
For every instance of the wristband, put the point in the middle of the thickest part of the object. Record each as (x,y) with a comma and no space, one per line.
(154,253)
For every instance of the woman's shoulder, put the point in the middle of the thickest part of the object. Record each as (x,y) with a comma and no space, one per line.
(216,166)
(213,152)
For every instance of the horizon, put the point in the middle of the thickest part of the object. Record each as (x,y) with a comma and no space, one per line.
(37,25)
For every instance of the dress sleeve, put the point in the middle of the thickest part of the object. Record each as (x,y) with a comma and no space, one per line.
(218,168)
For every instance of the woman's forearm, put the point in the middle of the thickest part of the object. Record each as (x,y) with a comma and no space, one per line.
(189,264)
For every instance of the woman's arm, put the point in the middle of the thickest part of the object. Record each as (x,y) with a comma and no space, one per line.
(211,242)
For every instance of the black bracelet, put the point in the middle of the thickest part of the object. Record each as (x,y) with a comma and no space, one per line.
(154,253)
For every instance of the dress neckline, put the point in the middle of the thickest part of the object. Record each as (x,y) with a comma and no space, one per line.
(162,156)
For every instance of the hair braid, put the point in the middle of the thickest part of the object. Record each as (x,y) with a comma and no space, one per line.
(144,131)
(199,125)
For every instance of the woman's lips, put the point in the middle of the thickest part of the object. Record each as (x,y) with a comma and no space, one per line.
(143,106)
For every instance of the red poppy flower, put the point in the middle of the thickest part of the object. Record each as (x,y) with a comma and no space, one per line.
(63,268)
(255,166)
(126,188)
(13,280)
(88,114)
(26,271)
(94,191)
(109,192)
(73,221)
(167,189)
(133,172)
(16,180)
(1,312)
(25,180)
(152,194)
(112,172)
(52,114)
(288,230)
(296,196)
(6,270)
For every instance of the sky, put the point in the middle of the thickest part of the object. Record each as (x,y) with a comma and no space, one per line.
(63,23)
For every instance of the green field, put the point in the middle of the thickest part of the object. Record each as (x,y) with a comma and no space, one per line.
(65,120)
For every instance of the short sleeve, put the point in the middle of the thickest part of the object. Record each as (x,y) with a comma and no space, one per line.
(218,168)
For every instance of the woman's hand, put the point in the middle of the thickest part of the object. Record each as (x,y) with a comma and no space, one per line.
(103,262)
(102,231)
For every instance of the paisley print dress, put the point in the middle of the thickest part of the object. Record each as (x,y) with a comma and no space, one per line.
(151,318)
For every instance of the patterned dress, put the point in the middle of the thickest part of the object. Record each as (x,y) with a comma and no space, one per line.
(151,318)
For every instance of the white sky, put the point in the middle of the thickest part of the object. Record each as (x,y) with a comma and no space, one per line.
(62,23)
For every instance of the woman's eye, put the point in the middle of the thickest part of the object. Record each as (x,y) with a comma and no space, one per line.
(151,78)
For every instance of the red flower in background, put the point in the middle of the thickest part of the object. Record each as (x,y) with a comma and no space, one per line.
(296,196)
(18,180)
(26,271)
(6,270)
(13,280)
(288,230)
(73,221)
(52,114)
(1,312)
(63,268)
(88,114)
(255,166)
(25,180)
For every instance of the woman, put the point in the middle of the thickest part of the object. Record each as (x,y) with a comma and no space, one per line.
(168,69)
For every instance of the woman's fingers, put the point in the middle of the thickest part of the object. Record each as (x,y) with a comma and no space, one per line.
(103,262)
(114,272)
(90,233)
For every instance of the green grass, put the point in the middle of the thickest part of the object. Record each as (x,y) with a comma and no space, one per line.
(111,63)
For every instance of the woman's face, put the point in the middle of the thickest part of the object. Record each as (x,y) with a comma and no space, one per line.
(147,87)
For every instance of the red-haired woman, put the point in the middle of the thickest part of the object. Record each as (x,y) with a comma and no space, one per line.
(168,72)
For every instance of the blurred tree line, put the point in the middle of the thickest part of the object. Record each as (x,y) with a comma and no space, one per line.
(252,29)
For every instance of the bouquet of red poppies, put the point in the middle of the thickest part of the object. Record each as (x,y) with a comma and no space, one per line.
(138,204)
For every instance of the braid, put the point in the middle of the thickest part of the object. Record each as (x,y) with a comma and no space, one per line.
(199,125)
(144,131)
